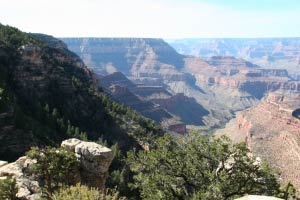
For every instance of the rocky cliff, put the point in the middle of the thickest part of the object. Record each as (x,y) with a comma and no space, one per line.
(221,84)
(130,56)
(126,92)
(239,74)
(279,53)
(271,130)
(154,101)
(185,108)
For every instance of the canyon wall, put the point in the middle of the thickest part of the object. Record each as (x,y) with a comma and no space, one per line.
(272,131)
(221,85)
(127,55)
(279,53)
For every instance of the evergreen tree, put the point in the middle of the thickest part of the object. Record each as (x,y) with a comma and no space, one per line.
(55,167)
(195,167)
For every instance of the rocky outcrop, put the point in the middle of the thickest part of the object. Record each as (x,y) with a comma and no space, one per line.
(94,161)
(27,187)
(93,171)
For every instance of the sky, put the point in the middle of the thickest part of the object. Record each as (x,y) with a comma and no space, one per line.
(169,19)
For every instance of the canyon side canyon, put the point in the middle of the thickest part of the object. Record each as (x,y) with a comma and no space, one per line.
(211,89)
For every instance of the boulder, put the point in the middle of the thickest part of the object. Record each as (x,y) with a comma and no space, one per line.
(26,186)
(94,159)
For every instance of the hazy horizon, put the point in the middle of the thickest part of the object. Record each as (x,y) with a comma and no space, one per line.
(167,19)
(191,38)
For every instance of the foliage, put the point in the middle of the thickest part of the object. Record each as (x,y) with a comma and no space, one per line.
(81,192)
(59,99)
(119,174)
(287,191)
(8,189)
(194,167)
(54,167)
(13,37)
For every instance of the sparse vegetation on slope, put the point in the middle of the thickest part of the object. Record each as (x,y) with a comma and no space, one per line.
(47,95)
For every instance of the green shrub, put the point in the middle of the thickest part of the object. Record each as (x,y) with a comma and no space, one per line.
(195,167)
(8,189)
(81,192)
(55,167)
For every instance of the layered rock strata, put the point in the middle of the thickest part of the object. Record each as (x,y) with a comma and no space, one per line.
(279,53)
(272,131)
(220,84)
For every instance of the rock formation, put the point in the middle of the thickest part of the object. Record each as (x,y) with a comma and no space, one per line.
(94,163)
(278,53)
(272,132)
(185,108)
(135,96)
(128,55)
(220,84)
(27,188)
(240,74)
(155,102)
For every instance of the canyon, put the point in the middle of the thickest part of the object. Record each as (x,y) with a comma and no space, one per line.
(216,87)
(278,53)
(48,94)
(256,100)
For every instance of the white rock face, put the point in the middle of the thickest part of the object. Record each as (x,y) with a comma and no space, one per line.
(27,188)
(257,197)
(70,144)
(94,157)
(2,163)
(95,160)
